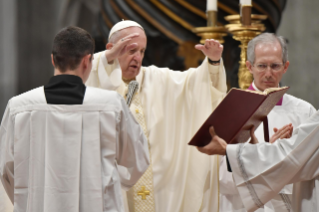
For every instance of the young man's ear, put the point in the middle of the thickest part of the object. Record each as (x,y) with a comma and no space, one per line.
(86,60)
(52,61)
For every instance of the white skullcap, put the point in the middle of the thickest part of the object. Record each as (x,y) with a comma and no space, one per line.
(122,25)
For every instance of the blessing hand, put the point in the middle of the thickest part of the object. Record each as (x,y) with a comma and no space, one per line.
(211,49)
(120,47)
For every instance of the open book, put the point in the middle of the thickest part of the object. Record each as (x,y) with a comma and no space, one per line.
(239,111)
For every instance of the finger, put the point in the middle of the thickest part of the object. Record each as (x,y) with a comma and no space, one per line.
(131,46)
(201,149)
(285,135)
(200,47)
(130,36)
(253,138)
(282,132)
(252,130)
(212,42)
(212,131)
(275,129)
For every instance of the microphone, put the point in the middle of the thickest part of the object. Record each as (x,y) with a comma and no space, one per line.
(132,88)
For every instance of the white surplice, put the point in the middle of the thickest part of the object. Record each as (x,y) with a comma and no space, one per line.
(65,158)
(293,110)
(262,170)
(175,105)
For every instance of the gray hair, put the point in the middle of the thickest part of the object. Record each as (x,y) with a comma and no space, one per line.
(267,38)
(115,37)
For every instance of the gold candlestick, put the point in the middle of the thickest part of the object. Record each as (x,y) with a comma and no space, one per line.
(211,31)
(244,28)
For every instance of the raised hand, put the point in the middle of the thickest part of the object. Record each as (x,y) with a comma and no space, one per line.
(212,49)
(120,47)
(217,145)
(284,132)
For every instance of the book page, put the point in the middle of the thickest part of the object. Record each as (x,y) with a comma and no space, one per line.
(270,90)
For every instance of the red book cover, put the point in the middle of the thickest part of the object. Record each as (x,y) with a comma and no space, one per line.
(239,111)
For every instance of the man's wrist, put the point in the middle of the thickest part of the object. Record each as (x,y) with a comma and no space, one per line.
(213,62)
(108,57)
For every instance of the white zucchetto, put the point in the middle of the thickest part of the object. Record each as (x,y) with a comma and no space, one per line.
(122,25)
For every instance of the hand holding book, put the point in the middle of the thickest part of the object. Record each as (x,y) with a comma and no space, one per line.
(235,116)
(217,145)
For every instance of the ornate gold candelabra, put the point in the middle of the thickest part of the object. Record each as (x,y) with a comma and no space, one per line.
(245,27)
(212,31)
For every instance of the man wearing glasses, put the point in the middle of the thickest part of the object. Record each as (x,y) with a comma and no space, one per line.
(267,61)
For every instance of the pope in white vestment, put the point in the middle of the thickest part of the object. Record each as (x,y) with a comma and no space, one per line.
(175,104)
(289,110)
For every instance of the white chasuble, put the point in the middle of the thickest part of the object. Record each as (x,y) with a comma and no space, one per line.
(175,105)
(262,170)
(65,158)
(292,110)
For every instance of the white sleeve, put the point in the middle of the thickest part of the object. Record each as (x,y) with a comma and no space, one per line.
(7,153)
(216,74)
(132,149)
(226,181)
(263,169)
(104,75)
(312,110)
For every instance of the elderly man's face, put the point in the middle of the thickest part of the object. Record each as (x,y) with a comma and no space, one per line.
(268,67)
(131,61)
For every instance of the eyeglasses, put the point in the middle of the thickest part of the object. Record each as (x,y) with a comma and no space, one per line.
(274,66)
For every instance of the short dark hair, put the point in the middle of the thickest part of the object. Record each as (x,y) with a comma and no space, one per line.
(70,45)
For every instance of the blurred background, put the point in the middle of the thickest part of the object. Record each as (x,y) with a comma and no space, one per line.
(28,28)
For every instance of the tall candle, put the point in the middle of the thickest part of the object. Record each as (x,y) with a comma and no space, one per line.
(211,5)
(245,2)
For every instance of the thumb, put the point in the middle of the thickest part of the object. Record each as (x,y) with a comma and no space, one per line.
(212,131)
(275,129)
(252,130)
(253,138)
(200,47)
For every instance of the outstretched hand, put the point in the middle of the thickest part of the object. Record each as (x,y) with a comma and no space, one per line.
(284,132)
(217,145)
(211,49)
(120,47)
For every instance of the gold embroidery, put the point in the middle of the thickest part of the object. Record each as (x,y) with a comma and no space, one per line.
(138,202)
(143,193)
